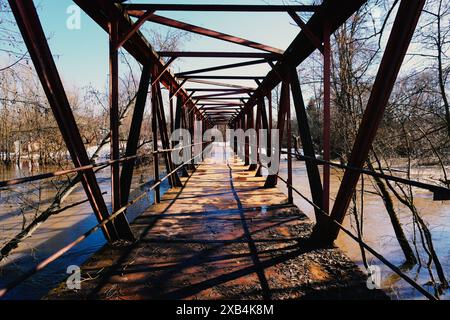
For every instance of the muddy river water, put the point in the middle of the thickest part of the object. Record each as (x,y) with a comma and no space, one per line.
(379,234)
(21,201)
(59,230)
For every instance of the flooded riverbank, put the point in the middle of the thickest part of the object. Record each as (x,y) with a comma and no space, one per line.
(379,234)
(63,228)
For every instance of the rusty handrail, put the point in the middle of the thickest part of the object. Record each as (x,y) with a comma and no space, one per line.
(438,191)
(69,246)
(390,265)
(42,176)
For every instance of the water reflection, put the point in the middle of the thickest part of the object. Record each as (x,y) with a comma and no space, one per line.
(379,234)
(59,230)
(63,228)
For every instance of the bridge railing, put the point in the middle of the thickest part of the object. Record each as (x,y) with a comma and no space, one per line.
(58,254)
(438,191)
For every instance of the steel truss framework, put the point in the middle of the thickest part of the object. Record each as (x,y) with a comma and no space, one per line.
(235,105)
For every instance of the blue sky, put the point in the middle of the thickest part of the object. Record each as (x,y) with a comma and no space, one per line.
(82,55)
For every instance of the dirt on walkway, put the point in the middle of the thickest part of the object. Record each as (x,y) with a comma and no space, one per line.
(221,236)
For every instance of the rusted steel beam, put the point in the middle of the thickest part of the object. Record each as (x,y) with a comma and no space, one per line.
(272,65)
(171,113)
(229,114)
(437,191)
(222,84)
(154,115)
(258,125)
(220,94)
(222,104)
(337,12)
(179,125)
(264,124)
(270,108)
(210,114)
(102,12)
(210,33)
(191,121)
(222,7)
(326,114)
(317,43)
(220,90)
(179,89)
(134,134)
(195,109)
(264,120)
(272,180)
(220,107)
(217,54)
(188,99)
(114,114)
(241,125)
(184,122)
(223,77)
(402,31)
(234,143)
(164,69)
(246,122)
(289,155)
(251,125)
(36,42)
(165,141)
(142,19)
(304,131)
(178,107)
(220,99)
(42,176)
(222,67)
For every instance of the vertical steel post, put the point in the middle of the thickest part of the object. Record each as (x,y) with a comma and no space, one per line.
(154,115)
(326,114)
(162,125)
(289,148)
(270,107)
(247,143)
(114,113)
(312,168)
(36,42)
(402,31)
(203,134)
(251,148)
(272,180)
(235,126)
(192,130)
(134,134)
(121,222)
(259,112)
(269,136)
(171,112)
(265,126)
(243,128)
(179,125)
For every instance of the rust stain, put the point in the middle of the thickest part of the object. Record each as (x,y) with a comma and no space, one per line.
(210,241)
